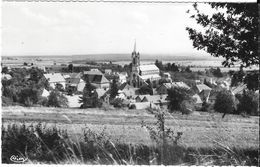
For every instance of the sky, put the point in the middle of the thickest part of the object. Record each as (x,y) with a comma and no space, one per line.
(95,28)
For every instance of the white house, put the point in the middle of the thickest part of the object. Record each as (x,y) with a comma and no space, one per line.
(54,79)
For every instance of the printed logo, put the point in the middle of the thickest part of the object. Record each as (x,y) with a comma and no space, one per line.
(18,159)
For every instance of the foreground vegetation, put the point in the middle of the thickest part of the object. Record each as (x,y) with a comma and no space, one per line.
(45,145)
(199,129)
(99,137)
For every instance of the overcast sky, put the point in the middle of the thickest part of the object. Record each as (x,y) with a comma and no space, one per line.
(90,28)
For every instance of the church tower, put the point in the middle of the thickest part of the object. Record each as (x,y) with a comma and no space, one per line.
(134,79)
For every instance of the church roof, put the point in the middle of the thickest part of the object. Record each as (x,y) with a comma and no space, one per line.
(148,67)
(152,76)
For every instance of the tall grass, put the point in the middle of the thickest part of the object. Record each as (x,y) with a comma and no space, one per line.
(54,146)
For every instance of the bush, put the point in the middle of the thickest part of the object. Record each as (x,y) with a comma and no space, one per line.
(43,101)
(216,72)
(187,106)
(57,99)
(170,152)
(6,101)
(176,96)
(22,89)
(248,103)
(89,99)
(32,142)
(59,87)
(224,102)
(29,96)
(145,89)
(118,103)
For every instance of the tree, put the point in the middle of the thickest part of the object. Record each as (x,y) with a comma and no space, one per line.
(230,32)
(70,67)
(36,74)
(188,70)
(118,103)
(159,64)
(187,106)
(145,89)
(216,72)
(252,80)
(29,96)
(248,103)
(89,99)
(176,96)
(114,89)
(174,68)
(237,77)
(59,87)
(4,70)
(224,102)
(57,99)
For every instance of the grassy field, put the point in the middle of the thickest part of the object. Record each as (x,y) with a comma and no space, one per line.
(200,130)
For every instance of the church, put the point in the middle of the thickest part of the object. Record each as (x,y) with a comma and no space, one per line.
(143,74)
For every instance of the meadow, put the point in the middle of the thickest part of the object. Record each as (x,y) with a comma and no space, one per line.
(200,130)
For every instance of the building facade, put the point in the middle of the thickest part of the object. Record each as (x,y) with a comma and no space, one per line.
(143,74)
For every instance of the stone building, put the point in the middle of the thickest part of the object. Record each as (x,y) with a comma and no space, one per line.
(143,74)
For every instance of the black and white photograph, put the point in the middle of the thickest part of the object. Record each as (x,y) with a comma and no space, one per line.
(130,83)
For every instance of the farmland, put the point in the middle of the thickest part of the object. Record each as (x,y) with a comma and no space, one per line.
(199,129)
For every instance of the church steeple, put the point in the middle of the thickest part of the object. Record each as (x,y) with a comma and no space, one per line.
(135,47)
(134,80)
(135,57)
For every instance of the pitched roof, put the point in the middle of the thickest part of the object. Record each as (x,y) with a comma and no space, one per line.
(197,98)
(202,87)
(180,84)
(148,67)
(168,85)
(100,92)
(238,89)
(75,75)
(93,72)
(204,94)
(125,86)
(54,77)
(176,84)
(96,77)
(45,93)
(104,79)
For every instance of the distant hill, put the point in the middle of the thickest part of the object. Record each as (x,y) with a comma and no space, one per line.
(127,57)
(114,57)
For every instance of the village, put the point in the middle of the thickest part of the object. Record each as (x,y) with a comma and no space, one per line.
(139,86)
